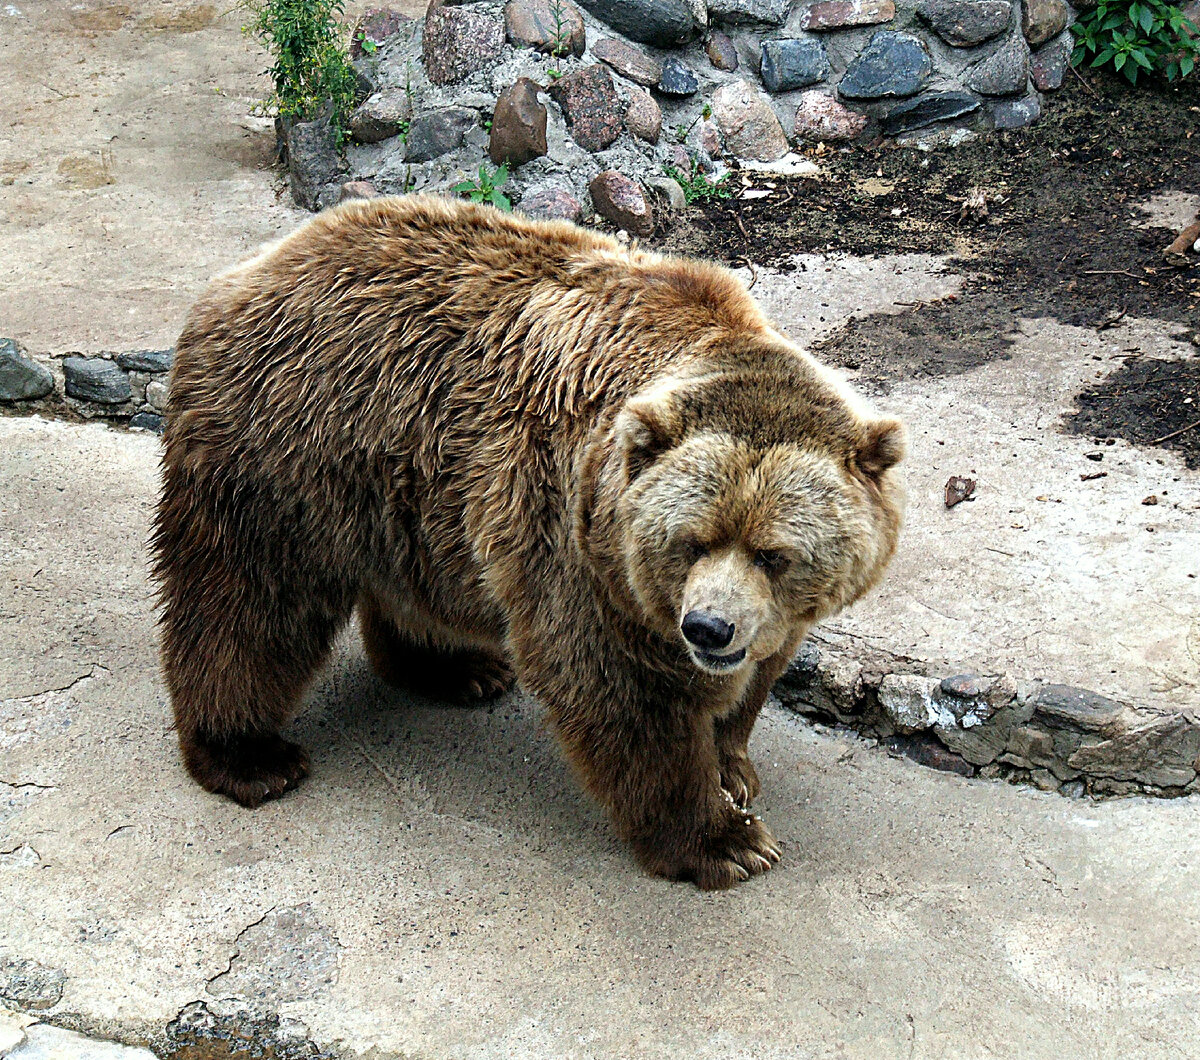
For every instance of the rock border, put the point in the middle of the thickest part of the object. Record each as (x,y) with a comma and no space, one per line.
(1055,737)
(128,388)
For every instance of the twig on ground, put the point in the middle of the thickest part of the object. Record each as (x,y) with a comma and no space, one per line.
(1175,434)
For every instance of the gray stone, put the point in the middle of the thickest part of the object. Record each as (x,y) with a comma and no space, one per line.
(518,132)
(314,162)
(620,200)
(438,133)
(1079,709)
(1048,64)
(819,116)
(664,23)
(1003,73)
(678,79)
(21,378)
(383,115)
(803,667)
(1016,113)
(789,64)
(156,395)
(892,64)
(721,51)
(965,23)
(554,26)
(907,700)
(745,12)
(29,985)
(376,26)
(629,61)
(147,421)
(644,117)
(666,195)
(842,14)
(459,42)
(1028,746)
(1162,752)
(96,379)
(1043,19)
(748,123)
(550,202)
(593,109)
(925,110)
(147,360)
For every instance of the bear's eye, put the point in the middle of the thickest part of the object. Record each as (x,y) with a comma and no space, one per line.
(769,560)
(693,550)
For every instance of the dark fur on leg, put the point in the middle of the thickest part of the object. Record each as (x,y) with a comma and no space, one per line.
(417,662)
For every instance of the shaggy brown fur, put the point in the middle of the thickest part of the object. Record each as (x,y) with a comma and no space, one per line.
(514,446)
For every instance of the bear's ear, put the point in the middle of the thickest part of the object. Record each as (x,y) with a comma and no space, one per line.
(883,446)
(647,427)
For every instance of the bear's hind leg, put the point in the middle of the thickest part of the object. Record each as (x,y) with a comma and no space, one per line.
(243,633)
(418,661)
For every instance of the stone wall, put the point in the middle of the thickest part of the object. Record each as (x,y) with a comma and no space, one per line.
(590,105)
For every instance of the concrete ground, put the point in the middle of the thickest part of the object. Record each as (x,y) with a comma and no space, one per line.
(439,888)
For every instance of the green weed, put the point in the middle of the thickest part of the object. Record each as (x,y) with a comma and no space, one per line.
(1137,37)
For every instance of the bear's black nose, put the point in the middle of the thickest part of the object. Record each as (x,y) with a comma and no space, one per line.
(706,630)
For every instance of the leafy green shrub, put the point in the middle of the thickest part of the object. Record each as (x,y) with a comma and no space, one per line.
(487,188)
(311,66)
(697,187)
(1136,37)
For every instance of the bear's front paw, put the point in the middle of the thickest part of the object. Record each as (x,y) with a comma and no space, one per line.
(733,848)
(740,778)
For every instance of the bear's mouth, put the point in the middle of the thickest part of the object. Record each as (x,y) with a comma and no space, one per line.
(711,661)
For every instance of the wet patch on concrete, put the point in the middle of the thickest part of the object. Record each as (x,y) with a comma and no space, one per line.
(1149,402)
(201,1032)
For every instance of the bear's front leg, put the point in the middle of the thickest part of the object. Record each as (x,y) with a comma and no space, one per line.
(732,732)
(655,768)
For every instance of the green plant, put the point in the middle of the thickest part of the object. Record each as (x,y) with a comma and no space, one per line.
(1136,37)
(697,187)
(368,46)
(487,187)
(562,30)
(681,131)
(311,67)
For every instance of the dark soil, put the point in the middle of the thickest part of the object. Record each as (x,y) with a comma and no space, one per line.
(1147,402)
(1059,240)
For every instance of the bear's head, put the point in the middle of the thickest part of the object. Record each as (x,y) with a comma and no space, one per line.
(748,503)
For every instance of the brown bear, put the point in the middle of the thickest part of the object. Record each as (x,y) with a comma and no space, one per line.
(517,448)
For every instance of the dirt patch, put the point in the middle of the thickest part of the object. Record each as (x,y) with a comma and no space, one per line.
(1148,401)
(924,340)
(1062,237)
(189,20)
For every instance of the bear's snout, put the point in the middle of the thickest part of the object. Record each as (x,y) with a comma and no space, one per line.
(707,631)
